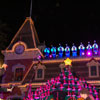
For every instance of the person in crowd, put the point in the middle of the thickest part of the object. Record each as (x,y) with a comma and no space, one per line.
(85,95)
(4,89)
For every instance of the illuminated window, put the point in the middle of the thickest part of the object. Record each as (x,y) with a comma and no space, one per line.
(18,74)
(93,71)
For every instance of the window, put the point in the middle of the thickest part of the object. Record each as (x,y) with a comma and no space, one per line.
(93,66)
(93,71)
(39,73)
(18,74)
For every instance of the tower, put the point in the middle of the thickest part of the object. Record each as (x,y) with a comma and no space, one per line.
(23,49)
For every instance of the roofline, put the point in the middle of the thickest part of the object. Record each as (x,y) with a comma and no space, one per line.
(27,18)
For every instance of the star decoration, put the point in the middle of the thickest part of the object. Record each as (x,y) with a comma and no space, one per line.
(67,61)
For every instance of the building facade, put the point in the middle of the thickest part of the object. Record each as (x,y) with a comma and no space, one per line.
(30,62)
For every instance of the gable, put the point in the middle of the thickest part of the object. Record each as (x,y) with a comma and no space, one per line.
(27,34)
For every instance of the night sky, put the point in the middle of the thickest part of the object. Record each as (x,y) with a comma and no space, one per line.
(56,21)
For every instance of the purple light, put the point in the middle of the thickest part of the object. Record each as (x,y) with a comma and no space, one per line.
(39,57)
(83,53)
(50,56)
(89,53)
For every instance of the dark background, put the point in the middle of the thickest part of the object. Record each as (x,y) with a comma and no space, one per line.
(56,21)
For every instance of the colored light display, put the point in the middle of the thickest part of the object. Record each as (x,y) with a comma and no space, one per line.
(67,61)
(69,85)
(89,49)
(82,49)
(67,51)
(74,51)
(60,50)
(95,48)
(53,51)
(47,52)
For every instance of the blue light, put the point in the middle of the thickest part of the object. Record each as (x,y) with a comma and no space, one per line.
(95,48)
(60,50)
(82,49)
(89,47)
(47,52)
(53,51)
(67,51)
(74,51)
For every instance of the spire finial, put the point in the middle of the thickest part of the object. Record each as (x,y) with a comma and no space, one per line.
(31,9)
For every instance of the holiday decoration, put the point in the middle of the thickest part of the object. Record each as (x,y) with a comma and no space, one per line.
(74,50)
(60,50)
(82,49)
(67,51)
(63,87)
(47,52)
(53,51)
(95,48)
(89,49)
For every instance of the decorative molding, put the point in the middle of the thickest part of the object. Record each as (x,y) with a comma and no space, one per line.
(40,66)
(18,66)
(18,43)
(93,63)
(25,55)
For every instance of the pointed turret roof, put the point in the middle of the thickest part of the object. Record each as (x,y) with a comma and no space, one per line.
(27,34)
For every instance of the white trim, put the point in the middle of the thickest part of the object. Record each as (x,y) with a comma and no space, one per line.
(40,66)
(18,66)
(93,63)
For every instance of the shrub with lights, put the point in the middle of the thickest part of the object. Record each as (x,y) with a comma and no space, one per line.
(63,87)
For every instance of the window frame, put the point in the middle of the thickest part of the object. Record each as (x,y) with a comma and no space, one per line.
(93,63)
(40,66)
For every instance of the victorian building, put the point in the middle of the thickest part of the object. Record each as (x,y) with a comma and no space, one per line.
(30,62)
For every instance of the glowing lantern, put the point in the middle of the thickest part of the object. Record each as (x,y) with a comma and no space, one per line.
(95,48)
(47,52)
(53,51)
(67,51)
(60,50)
(74,51)
(89,49)
(82,49)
